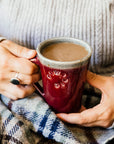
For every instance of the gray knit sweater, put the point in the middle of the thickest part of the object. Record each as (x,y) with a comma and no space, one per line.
(29,22)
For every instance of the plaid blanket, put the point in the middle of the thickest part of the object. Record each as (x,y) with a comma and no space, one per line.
(31,121)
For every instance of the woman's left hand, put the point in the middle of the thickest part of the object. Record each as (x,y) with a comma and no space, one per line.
(103,113)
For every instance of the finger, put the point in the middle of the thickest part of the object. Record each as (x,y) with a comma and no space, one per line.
(23,78)
(27,79)
(18,50)
(25,91)
(85,117)
(8,95)
(23,65)
(100,115)
(9,62)
(17,92)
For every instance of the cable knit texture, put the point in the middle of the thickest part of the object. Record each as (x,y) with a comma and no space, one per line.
(30,22)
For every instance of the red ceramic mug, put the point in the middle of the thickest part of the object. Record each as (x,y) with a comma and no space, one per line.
(63,82)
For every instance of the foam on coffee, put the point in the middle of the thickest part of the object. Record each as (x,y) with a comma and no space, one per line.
(64,52)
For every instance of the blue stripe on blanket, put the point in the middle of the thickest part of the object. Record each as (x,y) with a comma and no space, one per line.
(44,120)
(54,128)
(15,128)
(33,117)
(6,122)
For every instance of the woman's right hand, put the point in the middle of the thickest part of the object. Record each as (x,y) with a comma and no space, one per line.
(15,59)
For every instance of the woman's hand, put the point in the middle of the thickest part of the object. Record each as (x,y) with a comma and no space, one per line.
(100,115)
(13,59)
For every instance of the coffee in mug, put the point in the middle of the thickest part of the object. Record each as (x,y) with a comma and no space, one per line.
(64,51)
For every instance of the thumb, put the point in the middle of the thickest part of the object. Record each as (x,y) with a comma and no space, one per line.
(18,50)
(97,81)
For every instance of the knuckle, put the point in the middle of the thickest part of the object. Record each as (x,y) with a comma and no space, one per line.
(30,68)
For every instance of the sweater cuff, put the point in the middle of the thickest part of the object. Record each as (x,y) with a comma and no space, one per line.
(2,38)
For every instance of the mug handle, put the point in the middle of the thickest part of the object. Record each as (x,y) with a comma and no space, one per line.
(37,86)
